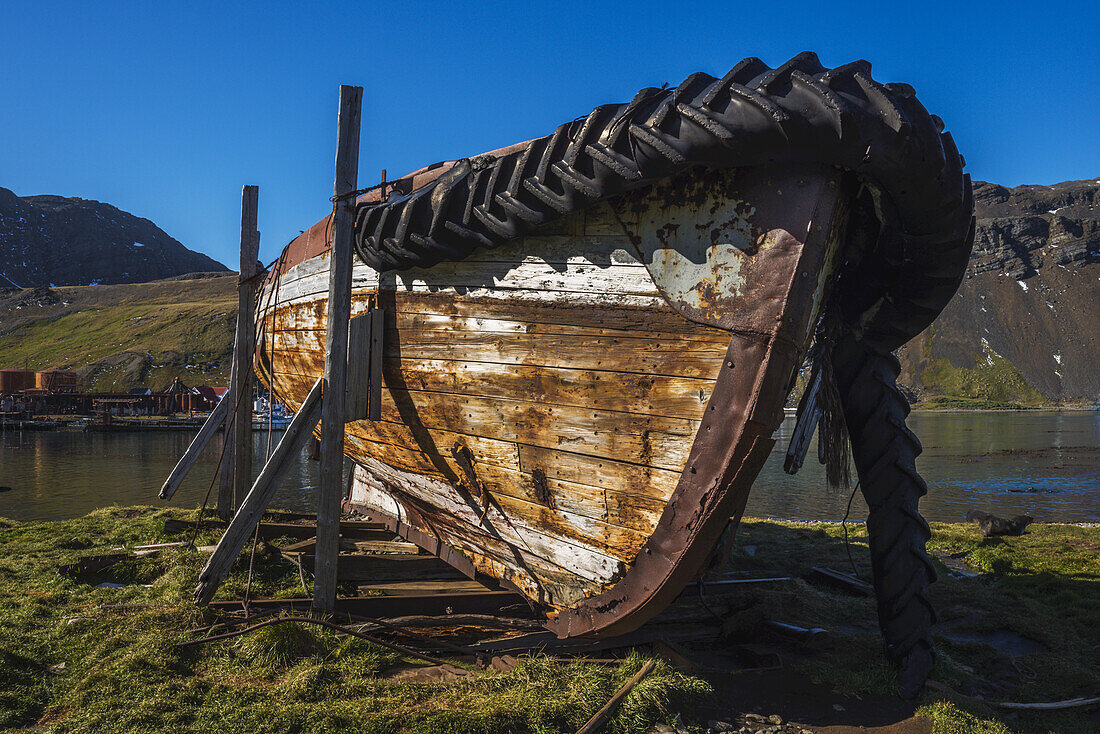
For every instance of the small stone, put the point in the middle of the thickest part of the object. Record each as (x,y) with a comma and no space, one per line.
(755,717)
(720,725)
(662,729)
(775,719)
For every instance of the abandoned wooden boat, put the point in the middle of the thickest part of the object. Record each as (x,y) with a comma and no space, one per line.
(589,337)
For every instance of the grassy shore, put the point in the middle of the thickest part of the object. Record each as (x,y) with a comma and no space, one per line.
(1019,622)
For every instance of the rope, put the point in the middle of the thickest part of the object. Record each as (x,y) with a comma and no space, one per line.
(844,526)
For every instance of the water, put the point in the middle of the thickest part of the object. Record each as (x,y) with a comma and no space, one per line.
(1041,463)
(985,461)
(62,474)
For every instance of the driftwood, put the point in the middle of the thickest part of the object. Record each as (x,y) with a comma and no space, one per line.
(1043,706)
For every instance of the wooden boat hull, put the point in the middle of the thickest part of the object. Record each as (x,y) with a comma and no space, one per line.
(579,413)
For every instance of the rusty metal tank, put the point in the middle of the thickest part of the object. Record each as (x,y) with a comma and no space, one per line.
(16,380)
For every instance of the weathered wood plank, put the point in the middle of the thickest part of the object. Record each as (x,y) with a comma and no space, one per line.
(572,516)
(395,567)
(571,557)
(214,421)
(271,476)
(660,322)
(225,504)
(674,397)
(542,580)
(358,378)
(595,250)
(242,380)
(331,483)
(377,348)
(634,355)
(614,487)
(615,492)
(632,294)
(616,272)
(648,440)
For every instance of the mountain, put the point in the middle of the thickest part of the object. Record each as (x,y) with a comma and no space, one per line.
(52,240)
(1024,327)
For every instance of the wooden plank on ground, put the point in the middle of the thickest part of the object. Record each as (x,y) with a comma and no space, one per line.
(380,568)
(382,607)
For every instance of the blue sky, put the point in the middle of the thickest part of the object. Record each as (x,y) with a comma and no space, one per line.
(166,109)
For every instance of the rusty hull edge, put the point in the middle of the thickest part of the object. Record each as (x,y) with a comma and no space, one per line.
(731,447)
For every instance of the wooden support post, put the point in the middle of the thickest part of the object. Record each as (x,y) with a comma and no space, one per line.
(336,351)
(273,474)
(246,341)
(216,419)
(225,470)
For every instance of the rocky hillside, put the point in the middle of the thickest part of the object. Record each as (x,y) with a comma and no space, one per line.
(1024,327)
(51,240)
(122,336)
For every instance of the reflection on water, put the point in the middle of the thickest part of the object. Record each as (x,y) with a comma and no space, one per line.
(63,474)
(1045,464)
(1042,463)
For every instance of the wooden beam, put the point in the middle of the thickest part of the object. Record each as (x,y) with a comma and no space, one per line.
(378,326)
(245,342)
(608,709)
(336,350)
(359,368)
(216,419)
(273,474)
(225,470)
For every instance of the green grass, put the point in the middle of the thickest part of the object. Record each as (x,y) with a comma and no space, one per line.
(71,663)
(68,663)
(993,383)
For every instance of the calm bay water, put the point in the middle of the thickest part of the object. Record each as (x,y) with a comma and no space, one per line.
(1045,464)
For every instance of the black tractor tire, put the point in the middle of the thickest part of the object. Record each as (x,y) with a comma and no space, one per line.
(797,113)
(885,451)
